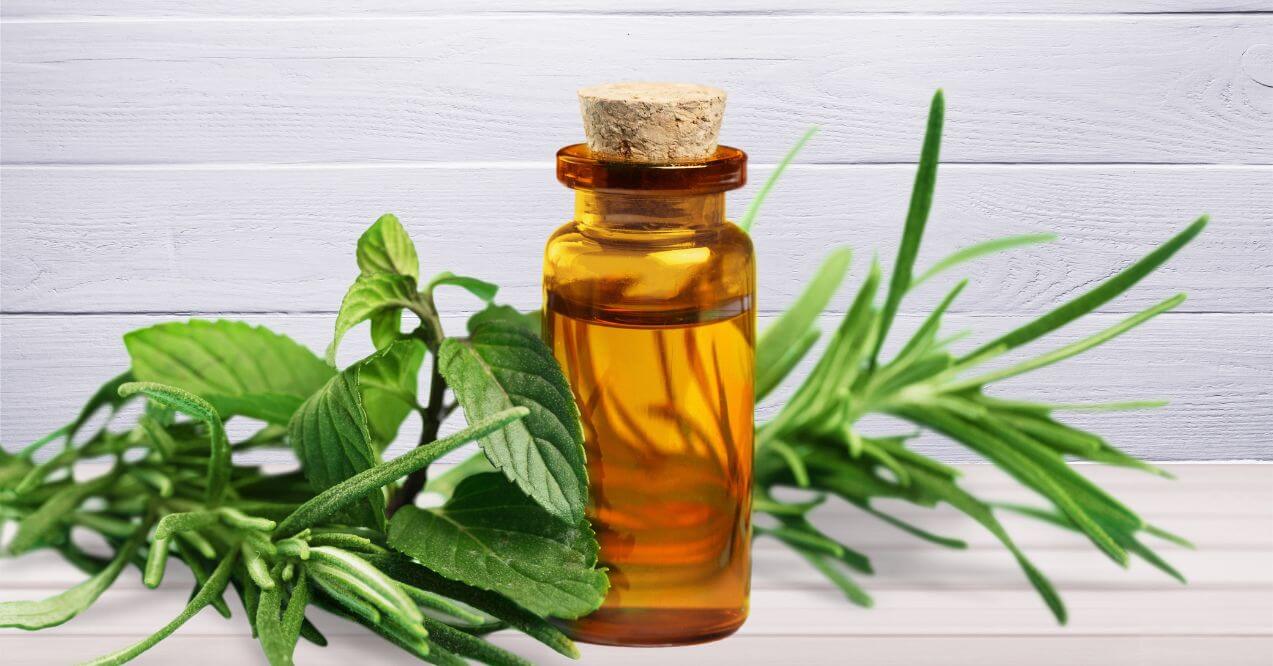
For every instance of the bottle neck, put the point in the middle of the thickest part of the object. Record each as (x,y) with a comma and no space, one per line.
(640,211)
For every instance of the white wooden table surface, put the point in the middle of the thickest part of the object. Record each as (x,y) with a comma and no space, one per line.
(933,606)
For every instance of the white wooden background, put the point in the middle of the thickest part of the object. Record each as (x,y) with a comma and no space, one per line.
(166,159)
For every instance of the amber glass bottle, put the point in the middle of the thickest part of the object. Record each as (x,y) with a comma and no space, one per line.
(650,309)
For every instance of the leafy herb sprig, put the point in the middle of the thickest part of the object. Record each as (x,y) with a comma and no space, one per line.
(509,547)
(816,444)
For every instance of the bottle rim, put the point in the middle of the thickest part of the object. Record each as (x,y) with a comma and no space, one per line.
(579,169)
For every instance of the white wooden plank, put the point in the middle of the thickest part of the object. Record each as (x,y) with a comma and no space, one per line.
(943,607)
(81,9)
(194,650)
(1235,522)
(1216,371)
(269,239)
(446,88)
(821,612)
(917,567)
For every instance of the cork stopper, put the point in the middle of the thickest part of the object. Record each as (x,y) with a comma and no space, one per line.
(652,123)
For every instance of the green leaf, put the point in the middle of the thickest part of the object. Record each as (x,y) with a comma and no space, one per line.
(465,644)
(239,368)
(479,288)
(389,380)
(503,365)
(491,536)
(373,295)
(1070,350)
(947,491)
(982,249)
(386,328)
(107,395)
(916,220)
(852,591)
(372,585)
(754,207)
(44,520)
(445,483)
(279,627)
(59,608)
(333,442)
(507,315)
(325,504)
(209,592)
(788,339)
(194,406)
(385,247)
(406,571)
(1092,299)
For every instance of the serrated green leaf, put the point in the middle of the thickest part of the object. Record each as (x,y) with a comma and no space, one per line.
(325,504)
(333,442)
(508,315)
(59,608)
(491,536)
(385,247)
(192,405)
(389,380)
(479,288)
(386,328)
(239,368)
(373,295)
(502,365)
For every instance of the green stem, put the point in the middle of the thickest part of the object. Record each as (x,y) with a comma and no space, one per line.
(433,415)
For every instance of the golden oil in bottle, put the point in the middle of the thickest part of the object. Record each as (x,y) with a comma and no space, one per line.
(649,308)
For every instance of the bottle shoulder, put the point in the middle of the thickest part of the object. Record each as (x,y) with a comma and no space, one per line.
(720,241)
(646,275)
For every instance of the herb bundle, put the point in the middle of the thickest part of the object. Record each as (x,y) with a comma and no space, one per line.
(509,547)
(815,444)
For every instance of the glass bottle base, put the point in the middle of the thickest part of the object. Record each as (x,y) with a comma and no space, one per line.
(655,627)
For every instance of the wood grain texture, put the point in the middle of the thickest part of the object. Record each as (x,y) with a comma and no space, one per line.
(1175,88)
(201,650)
(1216,370)
(89,10)
(281,239)
(932,606)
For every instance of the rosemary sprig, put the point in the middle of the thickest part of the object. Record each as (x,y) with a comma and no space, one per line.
(815,444)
